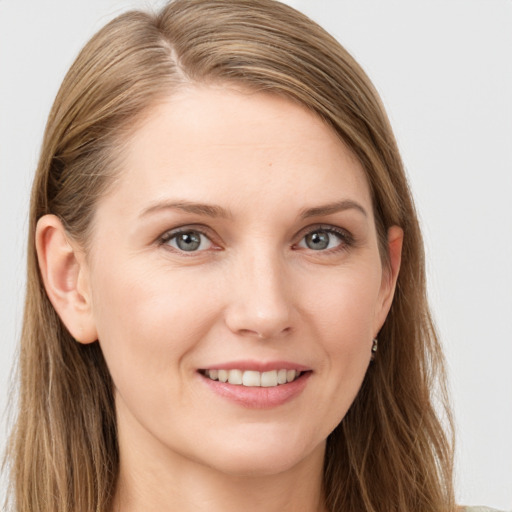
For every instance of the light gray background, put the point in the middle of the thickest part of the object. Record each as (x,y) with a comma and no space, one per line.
(444,70)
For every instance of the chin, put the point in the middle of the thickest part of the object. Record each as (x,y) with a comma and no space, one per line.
(270,457)
(242,466)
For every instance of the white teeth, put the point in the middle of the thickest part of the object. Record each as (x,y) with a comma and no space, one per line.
(269,379)
(290,375)
(252,378)
(235,377)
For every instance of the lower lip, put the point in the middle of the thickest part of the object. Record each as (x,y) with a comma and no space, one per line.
(258,397)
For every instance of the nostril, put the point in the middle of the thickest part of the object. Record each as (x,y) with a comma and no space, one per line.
(268,334)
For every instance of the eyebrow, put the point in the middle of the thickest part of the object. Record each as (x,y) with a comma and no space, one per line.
(329,209)
(207,210)
(213,211)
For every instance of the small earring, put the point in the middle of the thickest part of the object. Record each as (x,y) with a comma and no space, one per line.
(375,345)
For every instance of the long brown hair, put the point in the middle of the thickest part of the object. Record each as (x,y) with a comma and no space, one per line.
(390,452)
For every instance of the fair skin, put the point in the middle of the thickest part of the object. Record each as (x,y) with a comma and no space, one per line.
(277,268)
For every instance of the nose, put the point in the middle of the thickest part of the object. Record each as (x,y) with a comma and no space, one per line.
(259,298)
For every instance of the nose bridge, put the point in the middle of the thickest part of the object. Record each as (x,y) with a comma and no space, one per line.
(260,302)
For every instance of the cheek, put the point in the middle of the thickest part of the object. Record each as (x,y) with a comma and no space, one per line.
(148,321)
(345,305)
(344,310)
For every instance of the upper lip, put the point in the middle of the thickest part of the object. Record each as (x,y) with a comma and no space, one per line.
(259,366)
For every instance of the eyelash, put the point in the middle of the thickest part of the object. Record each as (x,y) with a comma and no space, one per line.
(170,235)
(346,238)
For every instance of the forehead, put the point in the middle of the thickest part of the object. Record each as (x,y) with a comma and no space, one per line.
(217,144)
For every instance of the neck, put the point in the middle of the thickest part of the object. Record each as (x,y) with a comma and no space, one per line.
(154,479)
(194,489)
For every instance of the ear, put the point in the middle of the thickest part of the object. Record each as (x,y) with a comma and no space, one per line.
(389,276)
(65,277)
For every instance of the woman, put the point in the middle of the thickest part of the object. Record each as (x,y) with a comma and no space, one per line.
(220,232)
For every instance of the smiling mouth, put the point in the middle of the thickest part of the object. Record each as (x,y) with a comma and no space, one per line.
(252,378)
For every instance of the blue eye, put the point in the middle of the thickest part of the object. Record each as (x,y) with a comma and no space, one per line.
(322,239)
(188,241)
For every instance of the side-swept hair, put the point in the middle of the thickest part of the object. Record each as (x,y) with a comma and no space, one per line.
(390,452)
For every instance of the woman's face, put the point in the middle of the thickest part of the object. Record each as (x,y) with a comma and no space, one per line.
(239,243)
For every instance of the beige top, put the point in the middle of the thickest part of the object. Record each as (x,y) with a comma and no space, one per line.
(480,509)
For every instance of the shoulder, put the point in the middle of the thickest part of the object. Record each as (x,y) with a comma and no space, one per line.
(478,509)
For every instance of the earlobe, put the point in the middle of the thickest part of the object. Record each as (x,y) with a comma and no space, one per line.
(390,274)
(65,278)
